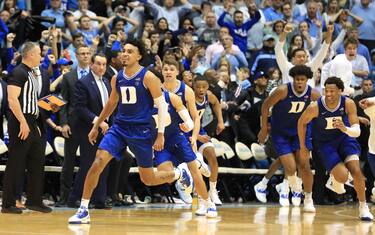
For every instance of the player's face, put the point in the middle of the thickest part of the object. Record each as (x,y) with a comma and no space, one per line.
(169,72)
(332,93)
(130,55)
(188,78)
(200,88)
(299,83)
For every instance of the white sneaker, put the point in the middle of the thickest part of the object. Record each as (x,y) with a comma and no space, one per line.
(202,209)
(373,195)
(296,192)
(283,191)
(182,192)
(260,190)
(81,217)
(203,168)
(211,210)
(215,197)
(296,198)
(365,214)
(335,186)
(308,205)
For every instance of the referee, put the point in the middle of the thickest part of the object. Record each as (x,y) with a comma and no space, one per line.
(25,143)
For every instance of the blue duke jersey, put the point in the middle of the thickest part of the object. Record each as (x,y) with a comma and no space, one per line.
(333,146)
(180,91)
(135,101)
(285,113)
(177,148)
(323,129)
(172,121)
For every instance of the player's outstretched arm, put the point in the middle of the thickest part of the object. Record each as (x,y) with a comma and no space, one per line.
(108,109)
(217,110)
(279,94)
(153,84)
(190,100)
(311,112)
(182,111)
(354,130)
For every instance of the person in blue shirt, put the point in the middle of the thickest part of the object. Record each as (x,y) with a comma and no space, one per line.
(335,126)
(238,30)
(135,91)
(288,102)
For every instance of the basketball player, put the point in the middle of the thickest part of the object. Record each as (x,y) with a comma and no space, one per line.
(368,105)
(335,126)
(187,96)
(288,102)
(135,91)
(177,148)
(204,98)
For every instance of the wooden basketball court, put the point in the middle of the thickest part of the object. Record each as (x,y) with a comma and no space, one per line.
(178,219)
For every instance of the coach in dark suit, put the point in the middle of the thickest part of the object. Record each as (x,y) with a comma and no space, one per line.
(68,120)
(90,95)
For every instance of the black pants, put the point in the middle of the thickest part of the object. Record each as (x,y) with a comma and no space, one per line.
(67,172)
(88,154)
(24,154)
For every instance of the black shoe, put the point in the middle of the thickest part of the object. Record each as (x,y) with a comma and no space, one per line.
(75,204)
(102,206)
(325,202)
(61,204)
(11,210)
(41,208)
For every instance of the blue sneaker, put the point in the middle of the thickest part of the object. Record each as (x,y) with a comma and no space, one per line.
(185,178)
(183,193)
(81,217)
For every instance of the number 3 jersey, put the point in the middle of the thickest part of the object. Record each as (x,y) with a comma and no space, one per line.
(323,129)
(286,112)
(135,101)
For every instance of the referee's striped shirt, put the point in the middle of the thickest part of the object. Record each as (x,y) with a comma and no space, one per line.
(23,77)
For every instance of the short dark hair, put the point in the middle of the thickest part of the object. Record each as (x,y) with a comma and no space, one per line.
(154,32)
(83,16)
(199,77)
(138,44)
(350,40)
(100,54)
(205,3)
(171,61)
(238,12)
(77,35)
(301,70)
(294,52)
(335,81)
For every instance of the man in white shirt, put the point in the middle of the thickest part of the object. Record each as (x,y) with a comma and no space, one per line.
(299,56)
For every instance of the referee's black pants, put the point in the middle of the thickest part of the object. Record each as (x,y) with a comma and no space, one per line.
(24,154)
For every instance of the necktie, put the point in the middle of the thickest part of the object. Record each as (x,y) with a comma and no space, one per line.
(104,93)
(83,73)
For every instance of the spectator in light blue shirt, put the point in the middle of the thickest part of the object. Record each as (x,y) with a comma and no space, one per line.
(54,12)
(273,13)
(311,17)
(366,10)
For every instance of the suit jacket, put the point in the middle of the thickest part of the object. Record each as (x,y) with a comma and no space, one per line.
(88,101)
(44,114)
(109,73)
(68,82)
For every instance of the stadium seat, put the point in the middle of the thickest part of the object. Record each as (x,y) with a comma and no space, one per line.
(243,152)
(59,143)
(228,151)
(258,152)
(3,147)
(49,149)
(219,150)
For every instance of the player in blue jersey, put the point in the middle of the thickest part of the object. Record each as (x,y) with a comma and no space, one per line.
(177,148)
(135,91)
(204,98)
(288,102)
(368,104)
(335,126)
